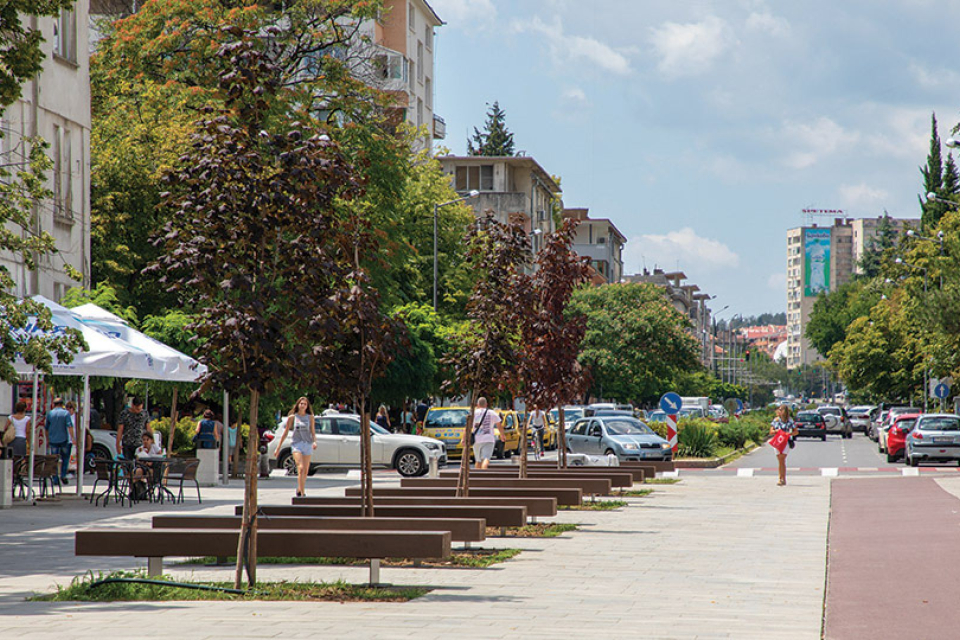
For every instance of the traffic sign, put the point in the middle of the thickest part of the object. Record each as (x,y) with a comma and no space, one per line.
(672,433)
(670,403)
(739,406)
(941,391)
(730,404)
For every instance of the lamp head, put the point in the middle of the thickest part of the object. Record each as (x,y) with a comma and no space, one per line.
(899,261)
(940,235)
(473,193)
(952,142)
(911,233)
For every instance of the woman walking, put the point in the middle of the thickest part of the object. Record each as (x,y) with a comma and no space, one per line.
(21,426)
(303,440)
(783,423)
(207,434)
(383,419)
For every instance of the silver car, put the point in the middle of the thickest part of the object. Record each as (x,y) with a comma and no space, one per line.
(935,437)
(623,436)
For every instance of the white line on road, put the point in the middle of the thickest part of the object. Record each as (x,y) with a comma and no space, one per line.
(831,472)
(910,471)
(745,473)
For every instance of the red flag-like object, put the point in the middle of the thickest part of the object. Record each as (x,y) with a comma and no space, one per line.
(779,440)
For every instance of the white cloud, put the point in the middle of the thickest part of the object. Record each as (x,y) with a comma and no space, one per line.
(862,196)
(690,49)
(683,247)
(809,142)
(777,281)
(461,13)
(768,23)
(576,48)
(575,95)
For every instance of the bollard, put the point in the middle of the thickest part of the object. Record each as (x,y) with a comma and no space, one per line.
(209,467)
(6,483)
(434,470)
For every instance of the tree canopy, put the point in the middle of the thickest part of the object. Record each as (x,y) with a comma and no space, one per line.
(495,139)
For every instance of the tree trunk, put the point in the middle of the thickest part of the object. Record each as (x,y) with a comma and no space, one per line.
(173,421)
(463,483)
(523,447)
(562,440)
(366,461)
(248,525)
(237,447)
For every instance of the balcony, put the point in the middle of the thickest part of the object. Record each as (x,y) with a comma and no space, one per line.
(439,128)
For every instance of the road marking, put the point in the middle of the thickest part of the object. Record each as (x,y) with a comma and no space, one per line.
(671,474)
(910,471)
(744,473)
(830,472)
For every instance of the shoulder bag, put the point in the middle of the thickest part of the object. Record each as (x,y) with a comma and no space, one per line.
(473,433)
(8,434)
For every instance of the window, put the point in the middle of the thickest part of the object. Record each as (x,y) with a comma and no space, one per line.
(413,16)
(62,176)
(65,36)
(412,65)
(476,177)
(348,427)
(324,426)
(419,61)
(428,92)
(419,112)
(428,36)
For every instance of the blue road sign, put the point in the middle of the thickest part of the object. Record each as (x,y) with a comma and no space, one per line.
(670,403)
(739,405)
(941,391)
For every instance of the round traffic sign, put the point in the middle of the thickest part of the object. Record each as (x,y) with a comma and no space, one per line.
(670,403)
(739,405)
(941,391)
(730,404)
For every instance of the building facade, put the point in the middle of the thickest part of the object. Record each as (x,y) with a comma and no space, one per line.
(820,259)
(55,106)
(511,189)
(599,240)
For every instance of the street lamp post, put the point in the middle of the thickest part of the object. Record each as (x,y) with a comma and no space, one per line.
(436,216)
(926,370)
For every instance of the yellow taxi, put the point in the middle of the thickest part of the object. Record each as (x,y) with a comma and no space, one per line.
(447,423)
(549,432)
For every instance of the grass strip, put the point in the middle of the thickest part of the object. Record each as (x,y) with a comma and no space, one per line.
(478,558)
(82,589)
(661,481)
(599,505)
(635,493)
(539,530)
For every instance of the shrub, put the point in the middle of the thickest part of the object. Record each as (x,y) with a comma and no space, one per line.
(182,437)
(660,428)
(734,434)
(697,440)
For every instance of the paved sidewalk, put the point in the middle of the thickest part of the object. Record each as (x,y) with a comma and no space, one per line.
(707,558)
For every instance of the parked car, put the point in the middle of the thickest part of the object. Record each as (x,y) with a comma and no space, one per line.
(861,416)
(875,424)
(935,437)
(104,446)
(338,446)
(623,436)
(510,426)
(446,424)
(571,413)
(837,420)
(718,413)
(884,427)
(897,435)
(656,416)
(691,412)
(811,424)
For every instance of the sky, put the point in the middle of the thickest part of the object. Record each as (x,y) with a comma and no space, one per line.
(703,129)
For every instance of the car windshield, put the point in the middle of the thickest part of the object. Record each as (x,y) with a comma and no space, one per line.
(691,412)
(901,410)
(656,416)
(833,411)
(809,417)
(941,423)
(446,418)
(906,424)
(627,428)
(352,428)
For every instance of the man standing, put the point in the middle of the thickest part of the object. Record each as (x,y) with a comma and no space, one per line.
(130,429)
(59,428)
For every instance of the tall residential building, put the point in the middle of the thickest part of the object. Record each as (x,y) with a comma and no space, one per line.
(512,189)
(601,241)
(821,259)
(56,107)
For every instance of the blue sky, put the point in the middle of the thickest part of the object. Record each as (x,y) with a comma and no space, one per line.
(702,129)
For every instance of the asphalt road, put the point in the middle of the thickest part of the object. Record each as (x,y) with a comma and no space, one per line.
(836,452)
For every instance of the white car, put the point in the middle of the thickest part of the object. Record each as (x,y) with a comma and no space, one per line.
(338,445)
(104,446)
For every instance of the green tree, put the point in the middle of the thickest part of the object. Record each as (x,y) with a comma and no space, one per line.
(637,344)
(20,55)
(932,174)
(496,139)
(833,313)
(879,248)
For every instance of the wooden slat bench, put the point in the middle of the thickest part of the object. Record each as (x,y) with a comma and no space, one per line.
(536,507)
(597,487)
(617,480)
(651,467)
(155,544)
(495,516)
(461,529)
(564,497)
(638,473)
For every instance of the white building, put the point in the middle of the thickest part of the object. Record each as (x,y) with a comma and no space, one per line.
(56,107)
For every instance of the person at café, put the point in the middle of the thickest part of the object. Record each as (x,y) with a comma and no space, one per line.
(131,426)
(59,427)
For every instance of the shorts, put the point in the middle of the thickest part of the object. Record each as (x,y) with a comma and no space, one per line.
(304,448)
(483,451)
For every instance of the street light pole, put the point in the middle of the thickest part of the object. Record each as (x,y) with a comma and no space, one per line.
(436,217)
(926,369)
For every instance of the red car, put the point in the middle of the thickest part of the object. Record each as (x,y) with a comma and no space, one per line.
(897,435)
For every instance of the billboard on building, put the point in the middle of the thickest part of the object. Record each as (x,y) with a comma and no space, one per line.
(816,261)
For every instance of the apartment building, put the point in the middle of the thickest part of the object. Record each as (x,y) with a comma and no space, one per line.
(511,189)
(766,338)
(601,241)
(820,259)
(55,106)
(688,300)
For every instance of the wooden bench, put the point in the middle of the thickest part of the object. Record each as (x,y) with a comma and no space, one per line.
(155,544)
(638,474)
(564,497)
(650,467)
(597,486)
(617,480)
(536,507)
(495,516)
(461,529)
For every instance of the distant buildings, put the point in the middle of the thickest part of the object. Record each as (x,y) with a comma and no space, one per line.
(56,107)
(766,338)
(601,241)
(821,259)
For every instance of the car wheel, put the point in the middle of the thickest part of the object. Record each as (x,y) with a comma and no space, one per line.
(90,458)
(823,438)
(891,457)
(287,463)
(911,462)
(410,463)
(609,452)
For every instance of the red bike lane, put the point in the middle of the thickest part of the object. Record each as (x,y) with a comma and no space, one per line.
(893,567)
